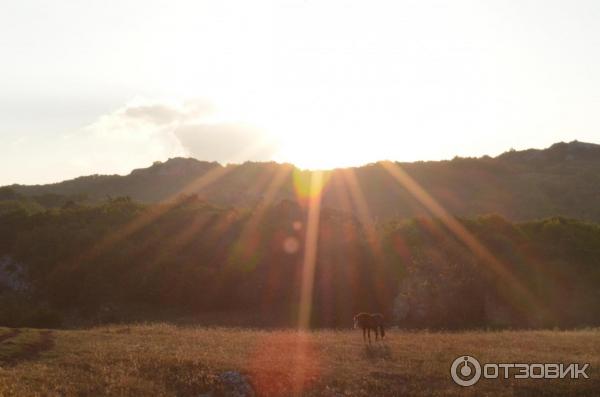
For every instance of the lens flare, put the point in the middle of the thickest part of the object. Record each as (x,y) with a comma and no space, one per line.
(291,245)
(308,185)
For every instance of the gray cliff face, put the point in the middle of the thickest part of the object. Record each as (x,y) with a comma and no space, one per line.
(12,275)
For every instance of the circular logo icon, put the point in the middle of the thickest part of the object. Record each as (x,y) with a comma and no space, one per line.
(465,371)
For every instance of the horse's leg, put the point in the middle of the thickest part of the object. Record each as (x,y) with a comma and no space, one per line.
(364,334)
(376,334)
(369,334)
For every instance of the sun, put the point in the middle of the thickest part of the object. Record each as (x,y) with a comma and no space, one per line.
(316,154)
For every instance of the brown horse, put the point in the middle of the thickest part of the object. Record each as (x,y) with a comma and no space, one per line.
(368,322)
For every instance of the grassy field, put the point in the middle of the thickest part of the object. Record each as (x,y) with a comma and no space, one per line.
(164,360)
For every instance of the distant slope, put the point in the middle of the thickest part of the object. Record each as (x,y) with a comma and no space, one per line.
(563,179)
(151,184)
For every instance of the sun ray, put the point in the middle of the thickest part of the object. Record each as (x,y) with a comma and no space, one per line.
(181,239)
(249,239)
(155,212)
(308,275)
(367,224)
(463,234)
(151,214)
(342,196)
(310,250)
(362,209)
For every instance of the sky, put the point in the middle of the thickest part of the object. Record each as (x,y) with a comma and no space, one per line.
(103,87)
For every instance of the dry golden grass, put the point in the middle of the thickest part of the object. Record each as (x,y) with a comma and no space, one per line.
(164,360)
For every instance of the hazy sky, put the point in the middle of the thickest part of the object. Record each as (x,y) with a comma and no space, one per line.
(108,86)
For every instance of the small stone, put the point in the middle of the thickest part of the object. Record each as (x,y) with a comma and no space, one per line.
(236,385)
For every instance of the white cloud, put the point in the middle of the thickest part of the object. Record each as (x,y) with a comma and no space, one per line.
(142,132)
(225,142)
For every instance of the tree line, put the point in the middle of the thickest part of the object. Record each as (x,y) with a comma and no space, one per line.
(121,260)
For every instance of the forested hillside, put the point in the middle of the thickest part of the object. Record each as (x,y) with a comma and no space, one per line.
(519,185)
(186,237)
(120,260)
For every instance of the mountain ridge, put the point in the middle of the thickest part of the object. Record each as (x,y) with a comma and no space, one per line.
(563,179)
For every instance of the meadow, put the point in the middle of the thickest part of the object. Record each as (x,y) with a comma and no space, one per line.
(167,360)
